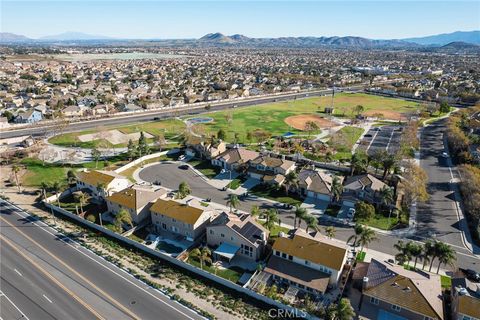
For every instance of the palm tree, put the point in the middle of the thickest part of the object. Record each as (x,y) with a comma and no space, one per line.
(386,196)
(291,180)
(342,310)
(359,109)
(255,211)
(300,213)
(446,255)
(337,188)
(82,198)
(312,222)
(428,252)
(330,231)
(388,163)
(56,186)
(367,236)
(44,187)
(403,254)
(16,170)
(271,218)
(71,177)
(358,230)
(354,163)
(96,154)
(203,255)
(415,251)
(232,201)
(123,216)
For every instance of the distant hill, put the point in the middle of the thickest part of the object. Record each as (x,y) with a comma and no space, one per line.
(446,38)
(357,42)
(11,37)
(460,45)
(70,35)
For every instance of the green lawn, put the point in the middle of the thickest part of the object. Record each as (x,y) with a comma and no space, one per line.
(169,128)
(361,256)
(343,141)
(277,229)
(276,195)
(234,184)
(381,222)
(38,173)
(270,117)
(205,167)
(446,281)
(233,274)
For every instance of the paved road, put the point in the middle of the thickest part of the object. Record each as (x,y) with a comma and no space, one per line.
(46,276)
(170,176)
(438,217)
(162,114)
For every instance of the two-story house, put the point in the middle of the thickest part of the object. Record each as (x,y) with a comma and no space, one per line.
(233,158)
(30,116)
(269,169)
(310,263)
(392,292)
(101,183)
(136,199)
(180,217)
(364,187)
(465,303)
(233,234)
(316,184)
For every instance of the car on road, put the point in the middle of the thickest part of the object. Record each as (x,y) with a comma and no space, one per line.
(351,213)
(471,275)
(183,167)
(368,135)
(444,154)
(156,118)
(377,129)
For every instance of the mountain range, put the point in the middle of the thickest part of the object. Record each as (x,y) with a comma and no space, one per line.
(460,39)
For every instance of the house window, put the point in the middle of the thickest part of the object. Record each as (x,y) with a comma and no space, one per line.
(277,253)
(231,238)
(466,318)
(222,235)
(396,308)
(290,257)
(307,263)
(374,301)
(211,231)
(284,255)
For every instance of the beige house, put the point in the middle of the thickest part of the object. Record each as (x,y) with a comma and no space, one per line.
(391,292)
(269,169)
(233,158)
(185,218)
(245,236)
(316,184)
(465,303)
(311,263)
(101,183)
(136,200)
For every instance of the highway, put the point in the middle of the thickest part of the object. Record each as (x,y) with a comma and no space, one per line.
(38,130)
(44,275)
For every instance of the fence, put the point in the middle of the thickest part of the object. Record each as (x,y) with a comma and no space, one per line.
(202,273)
(144,158)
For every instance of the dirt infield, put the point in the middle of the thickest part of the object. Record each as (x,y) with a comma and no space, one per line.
(386,114)
(113,136)
(298,122)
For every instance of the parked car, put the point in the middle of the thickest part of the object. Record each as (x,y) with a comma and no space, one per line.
(183,167)
(156,118)
(472,275)
(444,154)
(351,212)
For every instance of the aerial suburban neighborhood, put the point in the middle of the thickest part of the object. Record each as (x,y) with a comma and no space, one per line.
(184,175)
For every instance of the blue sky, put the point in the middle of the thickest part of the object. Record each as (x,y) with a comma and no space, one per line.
(192,19)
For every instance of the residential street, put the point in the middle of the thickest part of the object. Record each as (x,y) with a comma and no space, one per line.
(438,217)
(170,177)
(49,277)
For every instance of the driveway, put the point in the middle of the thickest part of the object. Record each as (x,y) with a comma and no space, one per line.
(316,207)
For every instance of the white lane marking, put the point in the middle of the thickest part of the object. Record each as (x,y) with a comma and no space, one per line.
(373,139)
(13,304)
(47,298)
(389,140)
(18,210)
(18,272)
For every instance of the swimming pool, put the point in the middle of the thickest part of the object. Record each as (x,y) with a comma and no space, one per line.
(200,120)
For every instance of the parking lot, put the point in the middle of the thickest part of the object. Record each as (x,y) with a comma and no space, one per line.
(386,138)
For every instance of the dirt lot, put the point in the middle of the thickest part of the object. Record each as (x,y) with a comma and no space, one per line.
(298,122)
(113,136)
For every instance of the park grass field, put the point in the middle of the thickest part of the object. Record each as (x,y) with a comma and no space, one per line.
(271,117)
(169,128)
(267,117)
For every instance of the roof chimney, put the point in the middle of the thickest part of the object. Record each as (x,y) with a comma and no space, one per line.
(365,282)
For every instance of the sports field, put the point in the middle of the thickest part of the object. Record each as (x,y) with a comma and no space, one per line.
(271,118)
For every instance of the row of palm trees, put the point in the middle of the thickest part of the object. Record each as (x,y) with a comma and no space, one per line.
(362,237)
(428,252)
